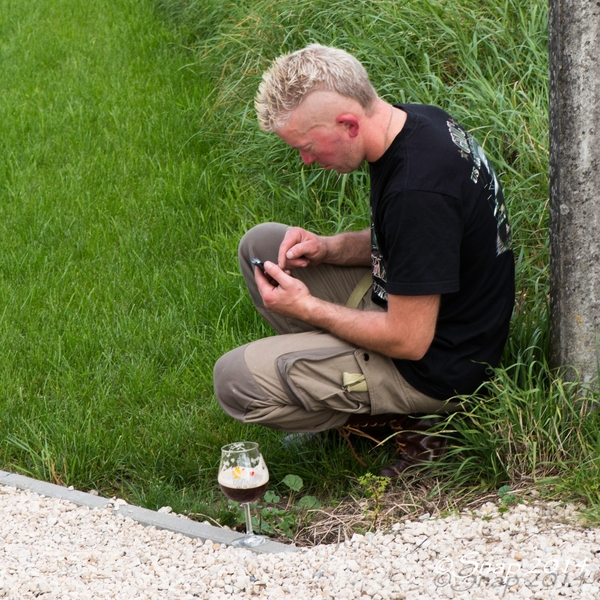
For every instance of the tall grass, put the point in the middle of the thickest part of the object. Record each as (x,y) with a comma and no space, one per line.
(131,166)
(485,63)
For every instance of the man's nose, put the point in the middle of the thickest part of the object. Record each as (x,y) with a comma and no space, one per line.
(306,157)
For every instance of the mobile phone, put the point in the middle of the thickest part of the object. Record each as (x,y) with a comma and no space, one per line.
(261,265)
(258,263)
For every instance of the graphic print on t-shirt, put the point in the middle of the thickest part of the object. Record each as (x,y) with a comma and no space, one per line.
(470,150)
(378,266)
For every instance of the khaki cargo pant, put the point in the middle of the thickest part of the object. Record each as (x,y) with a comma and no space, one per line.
(301,380)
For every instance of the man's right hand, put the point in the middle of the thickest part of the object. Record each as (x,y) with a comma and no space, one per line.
(301,248)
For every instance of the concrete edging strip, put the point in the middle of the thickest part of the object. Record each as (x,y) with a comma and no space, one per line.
(143,516)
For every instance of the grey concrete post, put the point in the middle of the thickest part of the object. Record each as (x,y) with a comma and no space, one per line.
(574,40)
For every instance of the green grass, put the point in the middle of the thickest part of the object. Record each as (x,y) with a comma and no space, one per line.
(107,328)
(131,164)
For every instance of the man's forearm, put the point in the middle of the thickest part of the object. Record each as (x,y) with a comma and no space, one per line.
(350,249)
(408,337)
(405,330)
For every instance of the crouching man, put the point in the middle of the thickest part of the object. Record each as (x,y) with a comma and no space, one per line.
(385,325)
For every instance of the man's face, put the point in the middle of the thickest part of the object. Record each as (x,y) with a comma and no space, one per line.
(315,130)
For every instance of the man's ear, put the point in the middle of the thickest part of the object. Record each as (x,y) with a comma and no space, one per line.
(350,123)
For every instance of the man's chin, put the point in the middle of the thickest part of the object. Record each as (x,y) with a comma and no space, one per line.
(340,169)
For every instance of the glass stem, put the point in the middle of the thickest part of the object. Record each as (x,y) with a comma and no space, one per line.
(246,506)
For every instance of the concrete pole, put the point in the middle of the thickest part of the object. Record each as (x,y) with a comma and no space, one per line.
(574,40)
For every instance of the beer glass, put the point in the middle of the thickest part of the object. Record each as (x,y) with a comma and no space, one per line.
(243,478)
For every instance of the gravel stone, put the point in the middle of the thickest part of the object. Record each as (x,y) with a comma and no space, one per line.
(53,549)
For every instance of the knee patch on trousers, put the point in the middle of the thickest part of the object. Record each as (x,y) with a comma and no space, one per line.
(235,387)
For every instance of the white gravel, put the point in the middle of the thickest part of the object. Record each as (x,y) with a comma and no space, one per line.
(52,548)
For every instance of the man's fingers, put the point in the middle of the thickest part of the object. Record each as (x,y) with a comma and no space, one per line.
(297,252)
(292,238)
(264,277)
(273,270)
(297,248)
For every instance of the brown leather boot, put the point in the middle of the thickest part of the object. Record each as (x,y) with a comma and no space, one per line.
(373,427)
(415,447)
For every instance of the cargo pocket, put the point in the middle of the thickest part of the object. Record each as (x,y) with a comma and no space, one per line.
(321,378)
(387,389)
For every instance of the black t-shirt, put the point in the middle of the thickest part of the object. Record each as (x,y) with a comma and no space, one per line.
(439,226)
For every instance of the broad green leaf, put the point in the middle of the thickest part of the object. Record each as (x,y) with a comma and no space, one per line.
(309,503)
(294,482)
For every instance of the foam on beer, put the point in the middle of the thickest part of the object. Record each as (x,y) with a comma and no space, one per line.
(244,477)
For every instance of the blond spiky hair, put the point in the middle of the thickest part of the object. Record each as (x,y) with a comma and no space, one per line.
(294,76)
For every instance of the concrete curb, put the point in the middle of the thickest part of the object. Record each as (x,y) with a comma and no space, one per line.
(143,516)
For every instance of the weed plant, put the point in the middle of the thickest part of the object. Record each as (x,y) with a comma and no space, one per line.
(131,166)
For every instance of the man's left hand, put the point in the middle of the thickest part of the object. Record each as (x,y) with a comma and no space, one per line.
(289,297)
